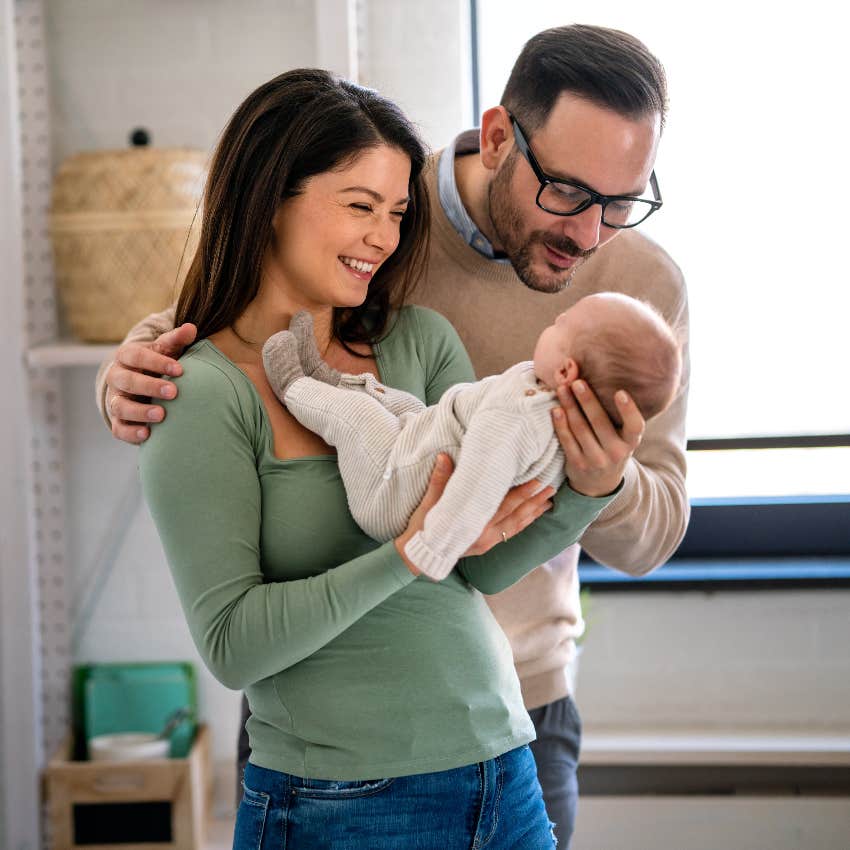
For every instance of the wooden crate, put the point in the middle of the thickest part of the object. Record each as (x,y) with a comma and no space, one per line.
(160,804)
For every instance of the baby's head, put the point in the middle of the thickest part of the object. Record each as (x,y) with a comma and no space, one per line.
(614,342)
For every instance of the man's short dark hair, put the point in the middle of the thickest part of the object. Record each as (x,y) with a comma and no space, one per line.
(606,67)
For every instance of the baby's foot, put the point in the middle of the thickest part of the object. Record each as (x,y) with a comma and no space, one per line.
(283,366)
(301,327)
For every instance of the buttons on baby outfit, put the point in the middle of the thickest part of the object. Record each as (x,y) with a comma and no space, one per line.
(531,392)
(380,390)
(388,473)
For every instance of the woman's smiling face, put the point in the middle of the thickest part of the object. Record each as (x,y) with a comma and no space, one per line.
(332,237)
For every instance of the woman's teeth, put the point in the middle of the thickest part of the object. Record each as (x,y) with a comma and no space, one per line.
(359,265)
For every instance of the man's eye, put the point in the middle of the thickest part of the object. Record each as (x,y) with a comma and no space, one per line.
(569,193)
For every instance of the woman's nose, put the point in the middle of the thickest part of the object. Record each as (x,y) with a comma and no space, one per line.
(384,235)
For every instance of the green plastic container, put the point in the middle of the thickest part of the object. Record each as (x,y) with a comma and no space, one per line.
(139,697)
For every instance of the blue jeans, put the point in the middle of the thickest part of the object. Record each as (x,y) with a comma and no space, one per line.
(556,752)
(494,805)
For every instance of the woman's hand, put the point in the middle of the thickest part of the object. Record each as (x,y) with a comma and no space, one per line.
(440,475)
(518,510)
(595,452)
(520,507)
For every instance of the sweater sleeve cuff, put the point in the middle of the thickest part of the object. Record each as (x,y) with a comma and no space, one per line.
(617,505)
(580,507)
(426,560)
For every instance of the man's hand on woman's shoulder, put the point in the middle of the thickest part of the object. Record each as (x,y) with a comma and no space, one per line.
(133,380)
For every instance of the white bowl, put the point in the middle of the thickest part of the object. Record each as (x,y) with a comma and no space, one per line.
(128,746)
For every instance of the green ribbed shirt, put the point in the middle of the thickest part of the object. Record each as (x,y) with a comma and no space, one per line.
(353,668)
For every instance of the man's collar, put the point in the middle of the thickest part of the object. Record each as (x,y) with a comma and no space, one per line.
(450,201)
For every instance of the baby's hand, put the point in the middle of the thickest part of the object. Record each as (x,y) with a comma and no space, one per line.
(595,452)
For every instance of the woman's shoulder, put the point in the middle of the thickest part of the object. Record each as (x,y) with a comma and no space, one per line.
(211,383)
(428,343)
(430,331)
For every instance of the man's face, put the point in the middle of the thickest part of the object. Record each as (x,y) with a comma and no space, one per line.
(583,143)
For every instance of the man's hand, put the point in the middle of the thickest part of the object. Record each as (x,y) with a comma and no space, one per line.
(133,380)
(596,453)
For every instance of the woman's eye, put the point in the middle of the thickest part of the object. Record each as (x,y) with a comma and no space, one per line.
(399,213)
(364,207)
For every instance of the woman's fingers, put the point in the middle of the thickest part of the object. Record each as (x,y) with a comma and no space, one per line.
(518,510)
(515,497)
(528,511)
(440,474)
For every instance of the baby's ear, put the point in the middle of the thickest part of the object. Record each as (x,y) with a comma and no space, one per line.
(568,371)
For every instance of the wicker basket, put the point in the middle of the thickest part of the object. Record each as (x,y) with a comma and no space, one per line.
(120,222)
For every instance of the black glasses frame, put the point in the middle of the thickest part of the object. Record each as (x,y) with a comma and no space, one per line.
(594,197)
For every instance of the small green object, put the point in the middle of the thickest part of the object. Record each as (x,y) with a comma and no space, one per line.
(139,697)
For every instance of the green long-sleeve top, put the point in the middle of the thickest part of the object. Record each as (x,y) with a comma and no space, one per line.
(353,668)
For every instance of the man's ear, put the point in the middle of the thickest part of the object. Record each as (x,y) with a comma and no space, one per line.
(496,136)
(568,372)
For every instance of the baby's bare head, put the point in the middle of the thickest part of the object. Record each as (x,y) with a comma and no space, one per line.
(616,343)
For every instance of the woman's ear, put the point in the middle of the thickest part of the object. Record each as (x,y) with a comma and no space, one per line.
(496,136)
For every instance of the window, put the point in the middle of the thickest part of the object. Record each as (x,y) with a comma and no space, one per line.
(752,168)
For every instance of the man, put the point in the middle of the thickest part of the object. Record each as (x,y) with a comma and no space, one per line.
(525,215)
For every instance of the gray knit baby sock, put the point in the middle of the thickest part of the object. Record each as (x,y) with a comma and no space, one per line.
(283,365)
(301,327)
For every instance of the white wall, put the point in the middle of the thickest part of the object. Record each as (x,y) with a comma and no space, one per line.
(756,660)
(18,709)
(418,54)
(179,69)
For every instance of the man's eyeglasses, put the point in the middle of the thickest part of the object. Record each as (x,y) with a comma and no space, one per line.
(563,197)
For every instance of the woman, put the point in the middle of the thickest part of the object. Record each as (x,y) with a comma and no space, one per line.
(385,711)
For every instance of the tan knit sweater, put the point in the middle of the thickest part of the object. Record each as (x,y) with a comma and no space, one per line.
(499,319)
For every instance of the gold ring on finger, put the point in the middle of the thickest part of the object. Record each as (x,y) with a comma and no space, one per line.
(504,537)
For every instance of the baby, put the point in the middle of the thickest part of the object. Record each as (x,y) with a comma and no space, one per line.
(498,431)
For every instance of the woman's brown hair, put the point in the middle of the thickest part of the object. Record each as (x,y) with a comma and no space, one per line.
(301,123)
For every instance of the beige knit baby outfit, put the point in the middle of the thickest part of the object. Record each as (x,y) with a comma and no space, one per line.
(498,431)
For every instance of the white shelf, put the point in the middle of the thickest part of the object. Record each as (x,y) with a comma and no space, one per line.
(67,353)
(709,747)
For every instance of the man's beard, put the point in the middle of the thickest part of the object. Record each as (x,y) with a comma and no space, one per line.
(507,227)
